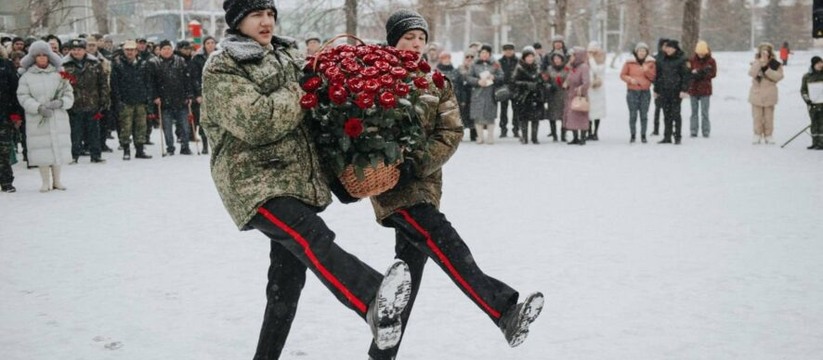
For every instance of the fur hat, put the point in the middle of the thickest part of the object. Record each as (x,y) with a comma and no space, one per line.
(702,48)
(312,36)
(559,38)
(486,47)
(765,47)
(528,50)
(402,21)
(816,60)
(41,47)
(236,10)
(641,45)
(673,43)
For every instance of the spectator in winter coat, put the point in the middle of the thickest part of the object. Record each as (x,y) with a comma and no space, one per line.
(766,72)
(313,43)
(143,50)
(671,86)
(196,72)
(266,170)
(558,47)
(463,91)
(639,72)
(784,53)
(815,79)
(108,122)
(131,96)
(412,207)
(658,109)
(11,118)
(91,99)
(484,74)
(528,97)
(45,95)
(555,95)
(704,69)
(577,84)
(508,62)
(597,91)
(171,89)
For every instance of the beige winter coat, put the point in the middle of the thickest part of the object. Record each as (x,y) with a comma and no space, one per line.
(764,83)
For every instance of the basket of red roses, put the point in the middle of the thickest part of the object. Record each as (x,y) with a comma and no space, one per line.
(363,103)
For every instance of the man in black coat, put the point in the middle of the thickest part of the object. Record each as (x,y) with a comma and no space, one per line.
(10,120)
(171,89)
(508,62)
(671,86)
(130,97)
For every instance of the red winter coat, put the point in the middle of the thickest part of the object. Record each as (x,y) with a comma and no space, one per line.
(702,72)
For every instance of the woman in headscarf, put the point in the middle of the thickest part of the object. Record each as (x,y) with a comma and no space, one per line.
(577,84)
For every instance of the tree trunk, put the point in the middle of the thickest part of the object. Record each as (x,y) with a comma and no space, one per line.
(351,18)
(101,15)
(429,10)
(644,25)
(691,25)
(560,17)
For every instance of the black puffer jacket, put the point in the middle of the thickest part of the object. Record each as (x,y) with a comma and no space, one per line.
(170,81)
(672,74)
(130,82)
(508,64)
(196,65)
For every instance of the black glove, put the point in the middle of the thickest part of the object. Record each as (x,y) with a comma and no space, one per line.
(341,193)
(407,173)
(774,64)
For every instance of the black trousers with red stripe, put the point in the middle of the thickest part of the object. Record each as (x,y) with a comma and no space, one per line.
(300,240)
(422,232)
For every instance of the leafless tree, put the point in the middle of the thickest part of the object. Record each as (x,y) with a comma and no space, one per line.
(691,25)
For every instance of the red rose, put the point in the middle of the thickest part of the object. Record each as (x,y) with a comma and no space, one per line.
(353,127)
(407,55)
(362,51)
(308,101)
(97,117)
(438,79)
(69,77)
(323,66)
(392,60)
(370,59)
(387,100)
(382,66)
(370,72)
(345,48)
(355,84)
(347,55)
(331,72)
(337,79)
(399,72)
(338,94)
(410,65)
(421,83)
(559,81)
(402,89)
(372,85)
(424,67)
(364,100)
(387,80)
(312,84)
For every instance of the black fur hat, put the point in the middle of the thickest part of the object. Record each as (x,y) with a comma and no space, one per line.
(236,10)
(401,21)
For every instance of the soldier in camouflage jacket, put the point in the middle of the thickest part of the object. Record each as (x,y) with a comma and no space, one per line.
(91,98)
(266,170)
(412,207)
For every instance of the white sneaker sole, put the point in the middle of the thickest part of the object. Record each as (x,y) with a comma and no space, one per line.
(392,298)
(531,309)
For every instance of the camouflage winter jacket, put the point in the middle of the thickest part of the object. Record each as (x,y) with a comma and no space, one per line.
(442,132)
(251,113)
(91,90)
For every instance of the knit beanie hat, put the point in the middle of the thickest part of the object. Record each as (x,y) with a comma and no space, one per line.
(41,47)
(236,10)
(402,21)
(702,48)
(528,50)
(641,45)
(816,60)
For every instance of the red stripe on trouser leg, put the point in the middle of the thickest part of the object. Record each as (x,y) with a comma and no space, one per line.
(445,261)
(310,255)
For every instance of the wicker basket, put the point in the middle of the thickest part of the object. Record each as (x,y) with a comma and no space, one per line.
(375,182)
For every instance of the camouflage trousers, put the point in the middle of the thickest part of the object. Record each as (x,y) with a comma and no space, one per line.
(132,120)
(6,153)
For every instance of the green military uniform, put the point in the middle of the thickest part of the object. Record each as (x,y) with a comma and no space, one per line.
(815,109)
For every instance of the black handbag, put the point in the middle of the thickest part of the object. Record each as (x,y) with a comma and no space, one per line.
(503,93)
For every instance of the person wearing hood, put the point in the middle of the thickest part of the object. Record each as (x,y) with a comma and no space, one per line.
(528,95)
(658,109)
(766,72)
(92,97)
(46,95)
(11,119)
(484,74)
(412,207)
(196,72)
(554,94)
(639,73)
(267,172)
(815,105)
(597,91)
(671,86)
(577,84)
(704,69)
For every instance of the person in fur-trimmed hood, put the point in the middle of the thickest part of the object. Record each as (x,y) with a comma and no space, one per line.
(766,72)
(704,69)
(266,170)
(638,73)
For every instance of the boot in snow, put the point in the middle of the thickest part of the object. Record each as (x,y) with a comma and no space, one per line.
(126,153)
(515,322)
(56,183)
(141,154)
(384,312)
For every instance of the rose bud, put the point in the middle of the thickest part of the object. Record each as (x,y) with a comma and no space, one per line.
(372,85)
(424,66)
(399,72)
(331,72)
(312,84)
(308,101)
(421,83)
(353,127)
(364,100)
(355,84)
(370,72)
(387,79)
(392,60)
(370,59)
(338,79)
(382,66)
(387,100)
(402,89)
(337,94)
(438,79)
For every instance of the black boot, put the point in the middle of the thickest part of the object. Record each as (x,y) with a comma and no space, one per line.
(553,128)
(593,136)
(643,139)
(562,133)
(473,134)
(205,144)
(126,152)
(574,141)
(633,139)
(582,138)
(534,131)
(140,153)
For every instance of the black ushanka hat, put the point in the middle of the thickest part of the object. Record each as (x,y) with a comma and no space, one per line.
(236,10)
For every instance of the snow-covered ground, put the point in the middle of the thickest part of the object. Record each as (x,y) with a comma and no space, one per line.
(701,251)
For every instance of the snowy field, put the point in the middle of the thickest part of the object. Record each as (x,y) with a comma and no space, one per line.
(701,251)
